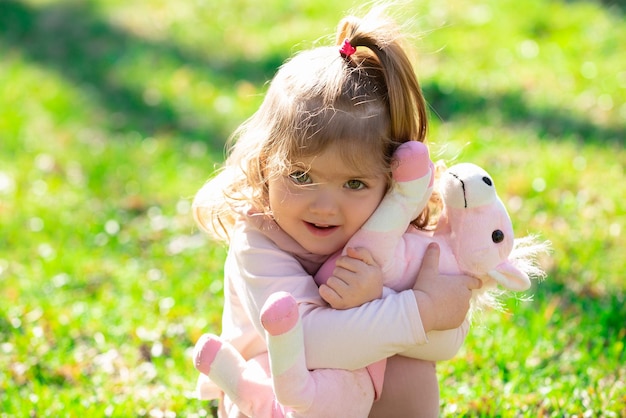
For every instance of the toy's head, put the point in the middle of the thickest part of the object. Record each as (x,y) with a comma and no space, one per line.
(481,232)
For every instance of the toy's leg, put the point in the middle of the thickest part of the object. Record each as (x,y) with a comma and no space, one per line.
(317,393)
(245,383)
(413,174)
(410,161)
(293,385)
(221,362)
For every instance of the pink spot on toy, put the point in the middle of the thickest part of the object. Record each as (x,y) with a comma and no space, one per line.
(280,313)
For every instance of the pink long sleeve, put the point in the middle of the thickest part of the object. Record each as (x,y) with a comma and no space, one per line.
(256,267)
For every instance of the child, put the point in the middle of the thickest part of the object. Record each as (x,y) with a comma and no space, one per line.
(304,174)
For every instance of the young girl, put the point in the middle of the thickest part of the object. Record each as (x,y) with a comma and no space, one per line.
(304,173)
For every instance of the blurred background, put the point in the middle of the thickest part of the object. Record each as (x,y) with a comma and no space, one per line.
(113,113)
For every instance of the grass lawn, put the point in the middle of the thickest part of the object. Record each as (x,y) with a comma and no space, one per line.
(113,113)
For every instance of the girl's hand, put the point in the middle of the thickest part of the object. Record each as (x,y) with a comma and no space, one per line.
(442,300)
(357,279)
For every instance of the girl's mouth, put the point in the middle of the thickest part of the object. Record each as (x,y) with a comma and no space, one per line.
(320,229)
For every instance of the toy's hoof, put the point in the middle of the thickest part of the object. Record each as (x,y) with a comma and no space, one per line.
(410,161)
(280,313)
(205,351)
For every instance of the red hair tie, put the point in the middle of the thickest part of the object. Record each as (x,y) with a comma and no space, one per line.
(346,49)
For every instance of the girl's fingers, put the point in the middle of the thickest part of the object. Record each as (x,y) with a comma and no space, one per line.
(361,254)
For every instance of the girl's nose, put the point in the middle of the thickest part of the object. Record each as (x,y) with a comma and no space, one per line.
(324,203)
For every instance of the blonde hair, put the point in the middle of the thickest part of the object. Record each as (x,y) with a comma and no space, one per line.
(365,104)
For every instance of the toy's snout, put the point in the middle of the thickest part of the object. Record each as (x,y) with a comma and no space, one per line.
(510,277)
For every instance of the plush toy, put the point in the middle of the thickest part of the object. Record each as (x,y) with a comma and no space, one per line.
(475,236)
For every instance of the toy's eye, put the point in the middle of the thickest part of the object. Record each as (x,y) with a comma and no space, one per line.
(497,236)
(487,181)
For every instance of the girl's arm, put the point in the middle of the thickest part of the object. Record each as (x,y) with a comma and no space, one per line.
(442,345)
(351,338)
(354,338)
(348,339)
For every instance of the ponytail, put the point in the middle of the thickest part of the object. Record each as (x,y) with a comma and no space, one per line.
(377,43)
(382,42)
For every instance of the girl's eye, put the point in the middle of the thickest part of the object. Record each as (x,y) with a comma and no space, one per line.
(300,177)
(355,184)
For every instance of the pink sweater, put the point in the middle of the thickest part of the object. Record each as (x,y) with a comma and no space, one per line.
(262,260)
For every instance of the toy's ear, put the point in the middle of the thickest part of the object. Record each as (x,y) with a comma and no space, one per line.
(510,277)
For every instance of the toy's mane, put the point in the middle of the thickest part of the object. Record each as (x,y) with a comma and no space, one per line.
(525,254)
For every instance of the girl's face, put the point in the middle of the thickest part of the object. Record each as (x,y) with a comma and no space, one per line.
(321,203)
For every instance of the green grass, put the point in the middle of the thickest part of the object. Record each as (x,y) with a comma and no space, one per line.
(113,113)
